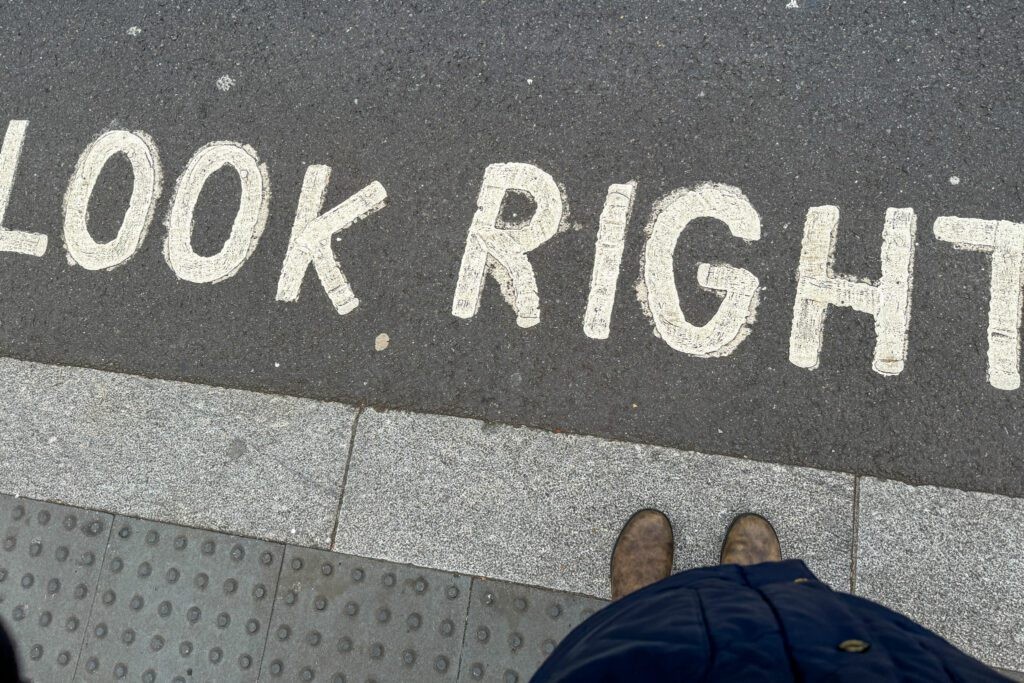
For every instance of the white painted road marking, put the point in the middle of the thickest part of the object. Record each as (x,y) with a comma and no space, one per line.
(818,287)
(310,242)
(28,243)
(248,224)
(1005,242)
(611,236)
(489,247)
(144,158)
(496,247)
(731,323)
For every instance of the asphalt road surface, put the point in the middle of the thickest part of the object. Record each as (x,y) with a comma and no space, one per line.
(862,106)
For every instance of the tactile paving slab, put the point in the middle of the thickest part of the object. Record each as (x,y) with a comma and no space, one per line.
(512,629)
(343,619)
(180,605)
(49,564)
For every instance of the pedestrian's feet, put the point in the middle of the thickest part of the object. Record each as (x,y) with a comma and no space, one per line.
(642,554)
(750,540)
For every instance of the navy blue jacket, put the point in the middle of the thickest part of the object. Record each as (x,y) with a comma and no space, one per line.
(769,622)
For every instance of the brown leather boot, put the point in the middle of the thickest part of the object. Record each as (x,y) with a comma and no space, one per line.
(642,553)
(750,540)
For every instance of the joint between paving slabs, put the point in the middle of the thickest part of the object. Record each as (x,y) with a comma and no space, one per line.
(465,628)
(95,590)
(344,477)
(855,540)
(273,606)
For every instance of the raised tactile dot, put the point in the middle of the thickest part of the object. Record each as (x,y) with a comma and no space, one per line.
(152,537)
(413,621)
(510,676)
(120,670)
(92,664)
(87,559)
(71,625)
(62,553)
(376,651)
(266,558)
(519,604)
(252,626)
(313,638)
(64,658)
(124,532)
(109,597)
(357,574)
(259,591)
(36,652)
(230,586)
(10,543)
(94,528)
(18,613)
(145,569)
(447,628)
(296,563)
(351,609)
(43,517)
(216,654)
(547,647)
(440,663)
(276,667)
(408,657)
(554,610)
(483,634)
(45,618)
(320,603)
(421,585)
(53,586)
(388,580)
(345,645)
(237,553)
(477,671)
(81,590)
(180,543)
(18,512)
(156,643)
(515,641)
(35,549)
(283,632)
(185,649)
(70,522)
(291,597)
(137,602)
(116,565)
(201,581)
(208,548)
(452,592)
(193,614)
(149,676)
(306,674)
(100,631)
(338,678)
(128,636)
(172,575)
(326,569)
(383,615)
(223,619)
(244,662)
(27,580)
(164,609)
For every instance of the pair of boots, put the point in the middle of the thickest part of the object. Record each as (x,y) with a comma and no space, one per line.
(644,549)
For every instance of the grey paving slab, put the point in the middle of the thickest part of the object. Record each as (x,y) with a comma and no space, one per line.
(340,618)
(949,559)
(178,604)
(544,509)
(248,463)
(512,629)
(49,566)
